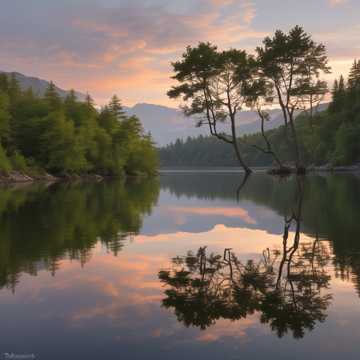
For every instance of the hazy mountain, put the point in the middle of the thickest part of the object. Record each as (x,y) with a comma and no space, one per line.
(39,86)
(168,124)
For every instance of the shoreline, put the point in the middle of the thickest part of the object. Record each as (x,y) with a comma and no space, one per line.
(230,170)
(19,178)
(16,177)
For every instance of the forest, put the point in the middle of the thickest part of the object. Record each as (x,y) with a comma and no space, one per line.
(329,137)
(67,137)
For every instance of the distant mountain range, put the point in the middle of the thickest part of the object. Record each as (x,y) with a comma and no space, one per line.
(167,124)
(39,86)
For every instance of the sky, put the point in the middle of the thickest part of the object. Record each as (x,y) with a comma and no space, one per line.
(126,47)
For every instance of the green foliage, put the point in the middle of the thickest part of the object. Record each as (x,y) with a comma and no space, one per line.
(143,158)
(325,137)
(66,136)
(64,152)
(5,165)
(18,162)
(293,63)
(216,85)
(4,118)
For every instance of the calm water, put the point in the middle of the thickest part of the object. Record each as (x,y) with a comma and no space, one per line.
(186,266)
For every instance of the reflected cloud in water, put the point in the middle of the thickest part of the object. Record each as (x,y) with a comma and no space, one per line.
(82,262)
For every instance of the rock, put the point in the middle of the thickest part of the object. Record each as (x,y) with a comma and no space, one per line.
(45,177)
(15,177)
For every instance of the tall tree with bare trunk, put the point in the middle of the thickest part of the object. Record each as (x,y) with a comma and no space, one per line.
(294,63)
(213,87)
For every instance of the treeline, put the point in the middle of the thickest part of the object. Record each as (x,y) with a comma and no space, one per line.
(335,134)
(326,137)
(67,136)
(203,151)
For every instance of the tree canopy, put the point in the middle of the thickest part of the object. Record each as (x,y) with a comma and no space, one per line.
(327,137)
(286,71)
(67,136)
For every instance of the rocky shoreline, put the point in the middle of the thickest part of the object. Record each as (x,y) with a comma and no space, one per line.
(18,177)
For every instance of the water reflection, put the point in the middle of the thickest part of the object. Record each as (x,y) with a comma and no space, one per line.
(330,208)
(43,224)
(286,286)
(282,260)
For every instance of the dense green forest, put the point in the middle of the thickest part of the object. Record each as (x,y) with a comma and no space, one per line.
(327,137)
(68,137)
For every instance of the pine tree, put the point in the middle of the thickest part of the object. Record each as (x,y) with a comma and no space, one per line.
(116,108)
(14,90)
(71,97)
(89,101)
(4,83)
(354,76)
(338,95)
(52,97)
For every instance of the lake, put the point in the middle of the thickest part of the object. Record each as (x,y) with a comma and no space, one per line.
(189,265)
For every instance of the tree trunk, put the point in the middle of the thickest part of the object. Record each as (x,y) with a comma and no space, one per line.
(268,144)
(236,147)
(298,161)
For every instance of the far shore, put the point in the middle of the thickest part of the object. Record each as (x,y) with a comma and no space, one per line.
(18,178)
(230,169)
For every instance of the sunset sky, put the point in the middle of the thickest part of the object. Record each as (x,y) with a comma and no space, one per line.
(126,46)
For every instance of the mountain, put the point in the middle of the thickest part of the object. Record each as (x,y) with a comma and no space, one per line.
(165,124)
(39,86)
(168,124)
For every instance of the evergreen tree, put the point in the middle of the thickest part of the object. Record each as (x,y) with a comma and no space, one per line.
(70,136)
(4,119)
(354,76)
(4,83)
(52,97)
(89,101)
(338,95)
(116,108)
(70,98)
(212,84)
(293,62)
(14,88)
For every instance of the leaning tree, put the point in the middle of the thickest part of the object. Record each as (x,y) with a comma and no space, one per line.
(213,87)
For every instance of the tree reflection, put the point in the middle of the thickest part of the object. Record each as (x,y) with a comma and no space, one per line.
(286,286)
(41,225)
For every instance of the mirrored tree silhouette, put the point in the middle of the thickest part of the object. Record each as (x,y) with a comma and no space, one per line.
(287,286)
